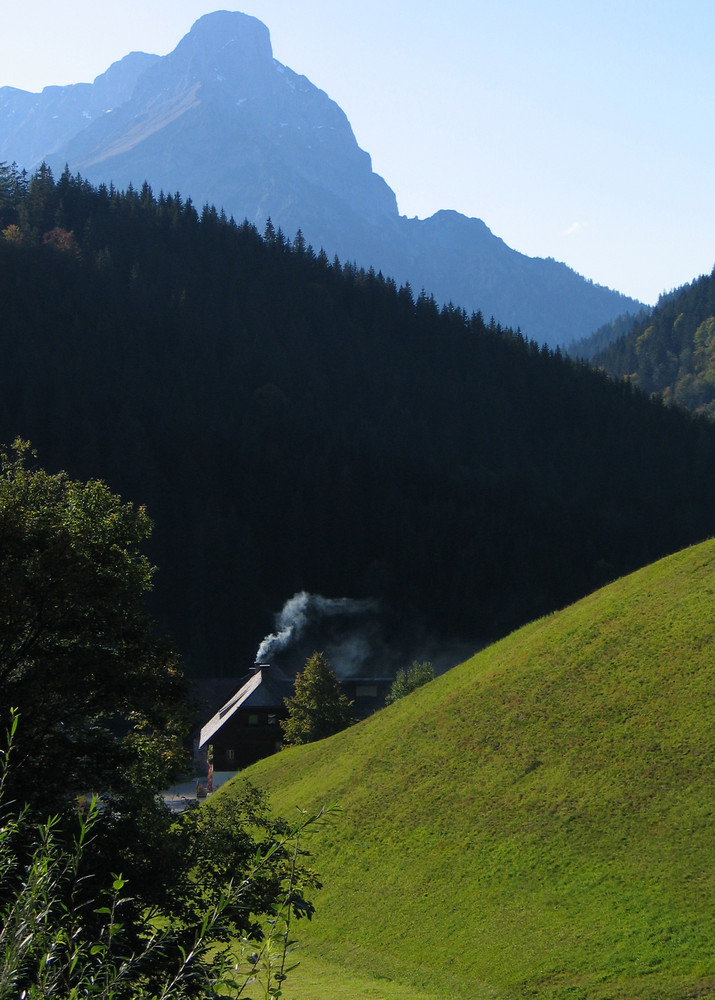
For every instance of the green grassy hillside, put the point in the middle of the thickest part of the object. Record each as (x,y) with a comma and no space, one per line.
(538,822)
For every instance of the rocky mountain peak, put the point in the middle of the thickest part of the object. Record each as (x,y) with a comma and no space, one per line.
(224,46)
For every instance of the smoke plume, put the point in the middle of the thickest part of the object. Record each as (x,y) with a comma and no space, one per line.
(357,637)
(304,615)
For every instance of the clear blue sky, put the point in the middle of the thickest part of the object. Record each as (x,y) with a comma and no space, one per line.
(577,130)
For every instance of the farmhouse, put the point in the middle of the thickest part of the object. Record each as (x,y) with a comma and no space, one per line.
(246,728)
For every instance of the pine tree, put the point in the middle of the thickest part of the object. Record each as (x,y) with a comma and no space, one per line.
(318,708)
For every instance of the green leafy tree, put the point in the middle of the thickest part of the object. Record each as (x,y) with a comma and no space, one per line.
(103,700)
(409,680)
(319,707)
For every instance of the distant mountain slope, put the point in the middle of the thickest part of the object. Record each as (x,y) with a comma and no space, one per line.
(294,425)
(35,126)
(588,347)
(223,122)
(671,352)
(536,822)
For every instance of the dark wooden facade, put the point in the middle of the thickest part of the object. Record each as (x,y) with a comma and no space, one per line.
(247,726)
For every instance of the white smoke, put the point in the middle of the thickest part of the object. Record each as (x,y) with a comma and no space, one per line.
(301,610)
(351,633)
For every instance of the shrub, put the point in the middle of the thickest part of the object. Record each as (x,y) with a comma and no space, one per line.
(409,680)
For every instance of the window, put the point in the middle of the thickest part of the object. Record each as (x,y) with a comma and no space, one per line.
(366,691)
(230,754)
(252,720)
(272,720)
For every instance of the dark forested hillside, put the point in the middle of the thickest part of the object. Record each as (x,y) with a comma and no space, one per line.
(671,352)
(294,424)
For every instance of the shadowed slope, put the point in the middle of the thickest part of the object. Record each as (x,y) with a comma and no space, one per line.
(538,821)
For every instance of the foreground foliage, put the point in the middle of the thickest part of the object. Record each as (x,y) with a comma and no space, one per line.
(58,940)
(544,810)
(64,935)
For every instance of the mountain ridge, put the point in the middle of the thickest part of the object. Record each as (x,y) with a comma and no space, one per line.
(223,122)
(44,129)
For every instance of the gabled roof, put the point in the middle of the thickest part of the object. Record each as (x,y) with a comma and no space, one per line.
(263,688)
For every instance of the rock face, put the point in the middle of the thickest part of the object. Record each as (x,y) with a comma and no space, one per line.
(221,121)
(34,127)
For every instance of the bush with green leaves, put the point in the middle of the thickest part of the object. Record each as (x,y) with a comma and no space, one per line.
(102,697)
(65,936)
(409,680)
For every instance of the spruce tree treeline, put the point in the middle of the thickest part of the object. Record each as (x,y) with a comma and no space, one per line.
(671,352)
(294,423)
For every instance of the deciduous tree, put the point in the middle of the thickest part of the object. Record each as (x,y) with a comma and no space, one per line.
(102,699)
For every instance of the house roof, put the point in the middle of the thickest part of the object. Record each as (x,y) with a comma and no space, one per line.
(263,688)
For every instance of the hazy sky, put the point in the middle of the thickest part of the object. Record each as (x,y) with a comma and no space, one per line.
(577,130)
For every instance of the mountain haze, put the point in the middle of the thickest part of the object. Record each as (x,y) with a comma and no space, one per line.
(223,122)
